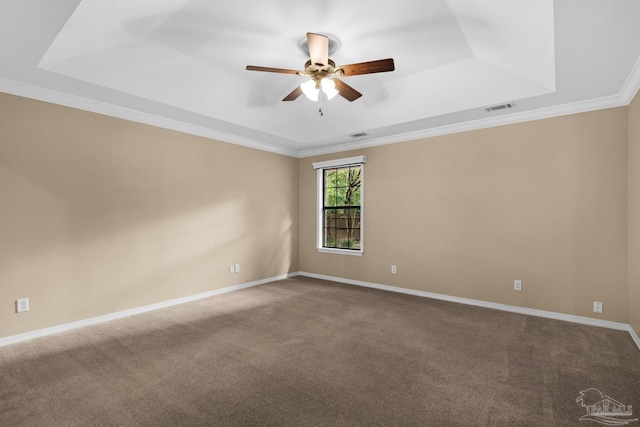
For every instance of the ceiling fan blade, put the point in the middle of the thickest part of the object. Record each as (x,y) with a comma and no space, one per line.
(318,48)
(379,66)
(293,95)
(271,70)
(346,91)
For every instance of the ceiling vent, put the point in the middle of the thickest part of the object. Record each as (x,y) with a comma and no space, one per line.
(500,107)
(358,135)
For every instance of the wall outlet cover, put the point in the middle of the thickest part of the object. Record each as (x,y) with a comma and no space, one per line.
(22,305)
(597,307)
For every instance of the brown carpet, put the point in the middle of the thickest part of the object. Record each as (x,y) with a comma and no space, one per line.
(306,352)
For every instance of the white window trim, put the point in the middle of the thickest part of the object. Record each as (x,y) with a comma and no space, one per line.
(320,167)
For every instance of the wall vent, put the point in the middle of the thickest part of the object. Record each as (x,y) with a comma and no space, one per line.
(500,107)
(358,135)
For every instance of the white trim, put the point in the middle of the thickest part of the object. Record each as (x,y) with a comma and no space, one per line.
(631,85)
(319,202)
(55,97)
(623,98)
(133,311)
(343,251)
(349,161)
(508,119)
(486,304)
(320,167)
(362,213)
(634,336)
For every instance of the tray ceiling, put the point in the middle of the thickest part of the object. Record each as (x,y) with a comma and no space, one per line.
(181,64)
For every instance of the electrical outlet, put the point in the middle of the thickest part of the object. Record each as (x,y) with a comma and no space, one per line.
(517,285)
(597,307)
(237,268)
(22,305)
(232,269)
(394,270)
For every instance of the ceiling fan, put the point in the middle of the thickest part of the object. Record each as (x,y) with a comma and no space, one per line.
(323,72)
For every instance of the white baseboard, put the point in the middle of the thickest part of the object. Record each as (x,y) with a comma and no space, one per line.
(486,304)
(634,336)
(496,306)
(133,311)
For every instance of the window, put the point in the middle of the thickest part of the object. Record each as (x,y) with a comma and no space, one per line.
(340,213)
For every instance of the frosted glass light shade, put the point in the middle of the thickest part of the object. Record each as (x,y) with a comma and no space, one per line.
(329,87)
(310,90)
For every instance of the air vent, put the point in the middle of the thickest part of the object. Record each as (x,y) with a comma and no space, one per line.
(358,135)
(500,107)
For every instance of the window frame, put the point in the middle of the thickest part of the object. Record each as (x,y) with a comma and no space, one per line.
(320,167)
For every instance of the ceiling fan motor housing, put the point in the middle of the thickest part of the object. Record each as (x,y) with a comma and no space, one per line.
(317,72)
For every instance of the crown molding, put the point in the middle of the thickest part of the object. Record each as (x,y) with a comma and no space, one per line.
(632,85)
(25,90)
(623,98)
(525,116)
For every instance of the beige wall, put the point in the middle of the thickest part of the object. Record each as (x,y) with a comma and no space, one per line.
(466,214)
(634,214)
(99,215)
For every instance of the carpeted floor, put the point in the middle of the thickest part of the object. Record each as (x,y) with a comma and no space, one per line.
(306,352)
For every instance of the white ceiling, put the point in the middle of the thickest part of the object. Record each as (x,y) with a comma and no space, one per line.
(180,64)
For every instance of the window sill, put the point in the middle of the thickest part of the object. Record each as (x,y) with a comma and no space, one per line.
(340,251)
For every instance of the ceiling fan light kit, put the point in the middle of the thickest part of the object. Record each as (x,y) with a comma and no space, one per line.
(310,90)
(329,88)
(319,79)
(323,73)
